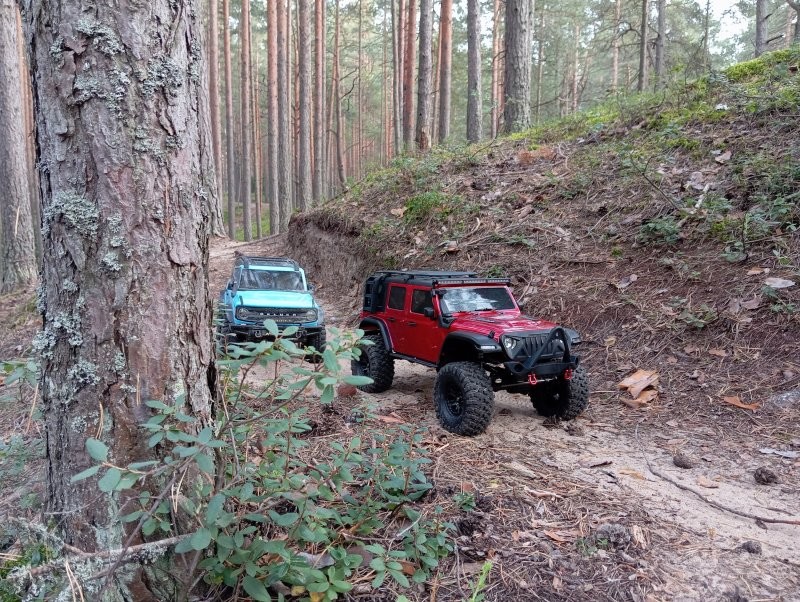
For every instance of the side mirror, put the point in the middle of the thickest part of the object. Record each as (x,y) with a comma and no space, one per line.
(230,285)
(428,312)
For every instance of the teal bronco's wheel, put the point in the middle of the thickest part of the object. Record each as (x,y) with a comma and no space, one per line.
(317,341)
(375,362)
(564,399)
(464,398)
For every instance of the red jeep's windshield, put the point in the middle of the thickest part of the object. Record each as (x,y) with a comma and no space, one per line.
(484,298)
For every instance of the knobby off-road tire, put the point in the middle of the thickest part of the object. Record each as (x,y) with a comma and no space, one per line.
(318,342)
(464,398)
(564,399)
(376,363)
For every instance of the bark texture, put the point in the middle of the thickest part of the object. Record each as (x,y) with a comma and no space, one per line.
(17,247)
(284,116)
(304,100)
(662,34)
(246,81)
(320,164)
(474,104)
(213,93)
(517,111)
(795,6)
(445,67)
(229,131)
(761,27)
(423,133)
(409,55)
(643,64)
(495,111)
(123,128)
(272,118)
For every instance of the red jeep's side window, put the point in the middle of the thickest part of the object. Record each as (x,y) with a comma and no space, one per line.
(397,298)
(420,299)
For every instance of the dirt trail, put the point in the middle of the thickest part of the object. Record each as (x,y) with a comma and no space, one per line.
(692,545)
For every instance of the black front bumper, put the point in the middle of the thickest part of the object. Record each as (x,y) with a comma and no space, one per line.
(257,332)
(541,364)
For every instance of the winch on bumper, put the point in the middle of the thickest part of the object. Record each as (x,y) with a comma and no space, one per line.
(536,358)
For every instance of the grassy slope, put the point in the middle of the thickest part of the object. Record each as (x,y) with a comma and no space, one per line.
(695,192)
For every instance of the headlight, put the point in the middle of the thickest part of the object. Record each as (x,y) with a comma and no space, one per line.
(244,313)
(310,316)
(511,345)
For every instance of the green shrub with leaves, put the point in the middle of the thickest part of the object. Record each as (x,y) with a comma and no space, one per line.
(260,506)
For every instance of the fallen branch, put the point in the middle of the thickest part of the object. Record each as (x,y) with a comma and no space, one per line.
(708,501)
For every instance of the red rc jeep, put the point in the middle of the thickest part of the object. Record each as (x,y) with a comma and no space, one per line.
(471,330)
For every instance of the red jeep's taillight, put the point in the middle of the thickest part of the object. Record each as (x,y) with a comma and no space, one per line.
(568,374)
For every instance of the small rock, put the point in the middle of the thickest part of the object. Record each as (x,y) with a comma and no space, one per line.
(617,535)
(346,391)
(752,547)
(764,476)
(573,429)
(682,461)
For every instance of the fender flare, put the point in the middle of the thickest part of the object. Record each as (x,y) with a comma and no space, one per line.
(482,345)
(380,326)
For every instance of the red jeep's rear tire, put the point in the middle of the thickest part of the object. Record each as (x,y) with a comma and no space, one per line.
(564,399)
(376,363)
(464,398)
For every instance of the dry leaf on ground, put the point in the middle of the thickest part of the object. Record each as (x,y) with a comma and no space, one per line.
(561,536)
(724,157)
(753,303)
(639,381)
(779,283)
(735,401)
(706,482)
(718,352)
(632,473)
(391,419)
(627,281)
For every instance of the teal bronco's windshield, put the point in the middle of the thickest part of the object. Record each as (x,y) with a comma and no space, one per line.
(268,280)
(484,298)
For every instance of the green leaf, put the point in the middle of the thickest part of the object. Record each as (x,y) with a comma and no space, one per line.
(205,463)
(331,363)
(272,328)
(284,520)
(356,380)
(205,435)
(140,465)
(155,439)
(400,578)
(184,545)
(85,474)
(254,588)
(149,527)
(127,481)
(214,507)
(200,539)
(328,395)
(110,480)
(97,449)
(156,405)
(377,564)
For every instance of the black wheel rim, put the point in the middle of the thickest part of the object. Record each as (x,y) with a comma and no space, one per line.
(454,399)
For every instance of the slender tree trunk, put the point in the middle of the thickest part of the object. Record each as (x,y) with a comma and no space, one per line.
(474,105)
(320,167)
(761,27)
(257,146)
(445,67)
(408,74)
(423,134)
(213,92)
(518,65)
(386,92)
(662,34)
(229,127)
(284,115)
(337,86)
(360,98)
(127,315)
(304,70)
(576,34)
(796,34)
(17,247)
(540,65)
(615,46)
(643,66)
(495,113)
(397,80)
(272,119)
(246,78)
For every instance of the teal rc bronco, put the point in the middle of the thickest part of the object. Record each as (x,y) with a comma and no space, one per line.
(270,288)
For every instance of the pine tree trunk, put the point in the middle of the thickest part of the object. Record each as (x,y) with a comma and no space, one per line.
(337,86)
(474,104)
(360,97)
(761,27)
(229,125)
(540,66)
(517,79)
(213,90)
(423,134)
(445,67)
(576,33)
(127,315)
(257,146)
(246,78)
(304,71)
(408,73)
(272,119)
(615,46)
(796,34)
(397,80)
(320,166)
(17,247)
(643,66)
(662,34)
(284,116)
(495,112)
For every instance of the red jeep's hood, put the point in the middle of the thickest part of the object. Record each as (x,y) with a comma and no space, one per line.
(498,321)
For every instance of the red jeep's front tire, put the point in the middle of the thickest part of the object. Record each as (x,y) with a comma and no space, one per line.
(564,399)
(375,362)
(464,398)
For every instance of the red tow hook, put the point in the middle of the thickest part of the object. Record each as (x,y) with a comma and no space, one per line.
(532,379)
(568,374)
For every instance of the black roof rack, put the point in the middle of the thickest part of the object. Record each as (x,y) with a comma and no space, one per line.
(248,260)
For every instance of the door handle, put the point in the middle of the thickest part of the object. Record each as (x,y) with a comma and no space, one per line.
(391,320)
(412,323)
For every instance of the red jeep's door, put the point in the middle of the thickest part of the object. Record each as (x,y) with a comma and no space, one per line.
(424,336)
(396,317)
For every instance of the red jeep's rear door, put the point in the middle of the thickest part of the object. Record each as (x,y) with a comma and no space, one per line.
(424,336)
(396,317)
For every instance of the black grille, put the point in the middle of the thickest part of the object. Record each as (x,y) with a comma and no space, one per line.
(279,315)
(533,342)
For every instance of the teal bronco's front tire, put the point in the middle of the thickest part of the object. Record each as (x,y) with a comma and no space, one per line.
(318,340)
(376,363)
(564,399)
(464,398)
